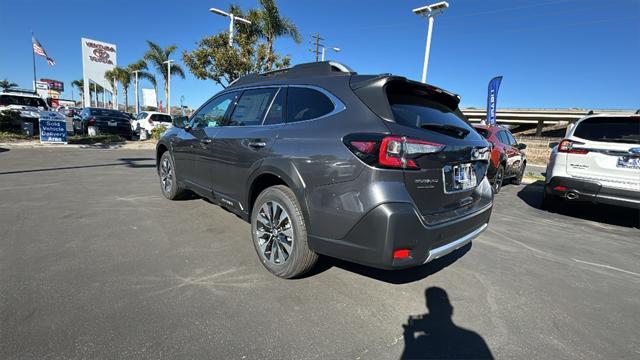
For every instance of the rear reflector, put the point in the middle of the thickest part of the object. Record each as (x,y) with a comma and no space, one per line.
(401,254)
(560,188)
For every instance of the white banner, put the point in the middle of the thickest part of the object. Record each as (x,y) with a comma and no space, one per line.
(149,97)
(97,57)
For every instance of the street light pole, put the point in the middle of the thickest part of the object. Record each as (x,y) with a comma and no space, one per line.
(430,12)
(334,49)
(232,20)
(168,62)
(136,89)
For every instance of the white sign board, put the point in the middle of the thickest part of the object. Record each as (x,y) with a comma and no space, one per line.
(42,88)
(149,98)
(97,57)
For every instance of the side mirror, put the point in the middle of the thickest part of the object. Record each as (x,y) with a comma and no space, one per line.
(553,144)
(181,122)
(521,146)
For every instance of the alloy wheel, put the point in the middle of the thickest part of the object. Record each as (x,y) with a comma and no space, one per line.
(166,175)
(274,233)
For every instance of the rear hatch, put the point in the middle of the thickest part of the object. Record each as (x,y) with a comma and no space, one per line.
(606,149)
(444,181)
(111,121)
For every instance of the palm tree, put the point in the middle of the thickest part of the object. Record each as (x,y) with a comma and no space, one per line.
(141,66)
(272,26)
(157,57)
(6,84)
(79,84)
(123,76)
(112,77)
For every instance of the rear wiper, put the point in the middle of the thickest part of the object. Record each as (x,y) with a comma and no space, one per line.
(446,129)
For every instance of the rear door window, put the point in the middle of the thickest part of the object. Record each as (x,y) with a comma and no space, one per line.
(624,129)
(251,107)
(306,104)
(276,112)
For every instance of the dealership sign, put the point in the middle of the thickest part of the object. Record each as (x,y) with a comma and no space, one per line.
(53,128)
(97,58)
(54,84)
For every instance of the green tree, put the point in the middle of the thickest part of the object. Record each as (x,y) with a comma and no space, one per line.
(213,59)
(272,26)
(157,57)
(112,77)
(79,84)
(6,84)
(141,67)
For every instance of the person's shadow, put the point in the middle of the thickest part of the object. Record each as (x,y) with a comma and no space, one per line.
(435,336)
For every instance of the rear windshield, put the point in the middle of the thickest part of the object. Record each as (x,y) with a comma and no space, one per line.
(107,112)
(6,100)
(161,118)
(417,110)
(624,129)
(484,132)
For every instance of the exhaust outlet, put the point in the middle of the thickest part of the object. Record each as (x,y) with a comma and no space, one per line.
(572,195)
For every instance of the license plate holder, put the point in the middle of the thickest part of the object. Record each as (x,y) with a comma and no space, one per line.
(459,177)
(628,162)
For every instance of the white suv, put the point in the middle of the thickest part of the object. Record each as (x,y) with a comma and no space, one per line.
(597,161)
(149,120)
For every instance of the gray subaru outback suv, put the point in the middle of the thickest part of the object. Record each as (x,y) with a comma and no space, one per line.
(374,169)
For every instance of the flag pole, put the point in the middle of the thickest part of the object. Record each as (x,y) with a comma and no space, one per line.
(33,54)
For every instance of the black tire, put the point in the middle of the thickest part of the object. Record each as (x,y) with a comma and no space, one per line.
(498,178)
(518,179)
(300,258)
(173,190)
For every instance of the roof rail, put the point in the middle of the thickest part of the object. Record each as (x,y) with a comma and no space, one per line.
(22,91)
(323,68)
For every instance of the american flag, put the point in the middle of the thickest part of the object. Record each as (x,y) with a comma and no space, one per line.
(39,50)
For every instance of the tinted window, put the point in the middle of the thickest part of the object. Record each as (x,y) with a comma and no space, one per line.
(107,112)
(251,107)
(161,118)
(614,129)
(484,132)
(502,137)
(306,104)
(411,108)
(212,114)
(276,112)
(6,100)
(510,138)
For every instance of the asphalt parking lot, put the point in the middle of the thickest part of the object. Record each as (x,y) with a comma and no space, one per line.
(95,263)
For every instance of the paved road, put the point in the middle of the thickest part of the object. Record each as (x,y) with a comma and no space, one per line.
(94,263)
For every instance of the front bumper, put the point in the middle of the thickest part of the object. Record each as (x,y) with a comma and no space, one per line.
(583,190)
(394,226)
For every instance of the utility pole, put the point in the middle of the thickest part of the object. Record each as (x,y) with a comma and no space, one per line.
(317,45)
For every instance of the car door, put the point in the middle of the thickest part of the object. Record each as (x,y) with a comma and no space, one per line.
(203,129)
(243,141)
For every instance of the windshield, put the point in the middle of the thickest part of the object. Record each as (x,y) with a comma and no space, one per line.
(6,100)
(625,129)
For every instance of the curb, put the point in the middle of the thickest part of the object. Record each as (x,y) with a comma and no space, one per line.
(124,146)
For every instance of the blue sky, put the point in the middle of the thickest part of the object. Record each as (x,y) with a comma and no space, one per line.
(552,54)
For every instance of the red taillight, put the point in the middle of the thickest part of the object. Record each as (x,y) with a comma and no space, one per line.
(91,121)
(391,151)
(567,146)
(401,254)
(366,147)
(560,188)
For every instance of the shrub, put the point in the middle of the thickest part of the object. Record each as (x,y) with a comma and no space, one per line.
(156,133)
(9,120)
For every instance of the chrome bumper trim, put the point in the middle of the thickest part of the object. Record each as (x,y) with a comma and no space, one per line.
(454,245)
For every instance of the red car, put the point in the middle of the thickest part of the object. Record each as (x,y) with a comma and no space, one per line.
(508,159)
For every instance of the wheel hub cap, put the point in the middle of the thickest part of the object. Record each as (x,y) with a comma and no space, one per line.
(274,232)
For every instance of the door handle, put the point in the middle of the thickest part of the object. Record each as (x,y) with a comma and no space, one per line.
(205,141)
(257,144)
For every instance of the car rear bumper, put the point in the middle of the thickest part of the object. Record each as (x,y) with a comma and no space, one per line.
(583,190)
(117,130)
(394,226)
